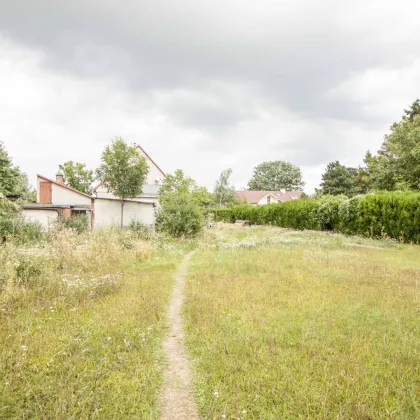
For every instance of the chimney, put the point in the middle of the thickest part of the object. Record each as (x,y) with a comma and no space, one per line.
(60,176)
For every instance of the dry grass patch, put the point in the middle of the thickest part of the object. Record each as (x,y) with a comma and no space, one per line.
(288,325)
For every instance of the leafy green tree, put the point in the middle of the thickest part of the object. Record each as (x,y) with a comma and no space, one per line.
(397,164)
(13,180)
(123,171)
(180,184)
(276,175)
(78,176)
(337,180)
(24,189)
(224,193)
(9,175)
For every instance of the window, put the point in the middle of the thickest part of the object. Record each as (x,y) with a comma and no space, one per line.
(269,199)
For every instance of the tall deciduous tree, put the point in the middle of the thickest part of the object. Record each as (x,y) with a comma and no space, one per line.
(180,184)
(224,193)
(276,175)
(337,179)
(123,171)
(77,176)
(9,175)
(397,164)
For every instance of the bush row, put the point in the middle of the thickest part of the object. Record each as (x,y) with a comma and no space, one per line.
(386,214)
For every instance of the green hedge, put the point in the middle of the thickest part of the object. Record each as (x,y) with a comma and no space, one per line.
(385,214)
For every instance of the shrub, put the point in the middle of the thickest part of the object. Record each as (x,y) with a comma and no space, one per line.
(384,214)
(140,230)
(180,216)
(79,223)
(15,228)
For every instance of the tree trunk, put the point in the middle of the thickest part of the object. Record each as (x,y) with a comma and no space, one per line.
(122,213)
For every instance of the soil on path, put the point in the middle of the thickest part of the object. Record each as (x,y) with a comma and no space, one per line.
(177,398)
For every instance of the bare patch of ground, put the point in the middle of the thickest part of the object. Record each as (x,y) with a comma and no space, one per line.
(177,399)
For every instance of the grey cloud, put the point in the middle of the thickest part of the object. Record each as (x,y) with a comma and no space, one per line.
(296,50)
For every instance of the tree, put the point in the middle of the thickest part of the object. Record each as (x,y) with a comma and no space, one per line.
(24,189)
(276,175)
(337,179)
(397,164)
(123,171)
(224,193)
(180,184)
(77,176)
(9,175)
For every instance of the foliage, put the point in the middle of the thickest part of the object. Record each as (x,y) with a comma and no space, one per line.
(140,230)
(123,171)
(24,189)
(338,180)
(276,175)
(77,176)
(180,184)
(16,229)
(180,216)
(79,223)
(384,214)
(224,193)
(9,175)
(397,164)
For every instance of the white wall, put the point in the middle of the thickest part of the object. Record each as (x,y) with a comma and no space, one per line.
(62,195)
(264,201)
(154,172)
(108,213)
(45,217)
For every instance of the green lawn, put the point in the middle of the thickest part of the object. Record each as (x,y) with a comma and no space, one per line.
(284,324)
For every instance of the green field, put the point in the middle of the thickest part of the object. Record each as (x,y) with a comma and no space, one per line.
(286,324)
(279,324)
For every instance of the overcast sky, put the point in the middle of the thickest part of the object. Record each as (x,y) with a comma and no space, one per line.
(205,85)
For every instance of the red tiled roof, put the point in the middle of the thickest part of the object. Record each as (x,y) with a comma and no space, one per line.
(64,186)
(253,197)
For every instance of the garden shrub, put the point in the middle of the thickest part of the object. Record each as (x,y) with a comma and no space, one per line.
(140,230)
(79,223)
(180,217)
(381,214)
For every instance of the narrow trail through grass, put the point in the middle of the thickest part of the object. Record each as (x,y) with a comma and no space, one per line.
(177,398)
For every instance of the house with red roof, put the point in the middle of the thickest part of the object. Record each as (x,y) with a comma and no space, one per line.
(260,198)
(56,200)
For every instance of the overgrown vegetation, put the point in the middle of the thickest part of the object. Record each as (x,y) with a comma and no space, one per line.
(286,324)
(386,214)
(82,318)
(183,204)
(79,223)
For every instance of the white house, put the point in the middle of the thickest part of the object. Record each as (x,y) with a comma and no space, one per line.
(260,198)
(151,187)
(55,200)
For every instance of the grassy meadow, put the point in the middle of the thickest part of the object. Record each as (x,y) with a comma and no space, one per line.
(286,324)
(81,325)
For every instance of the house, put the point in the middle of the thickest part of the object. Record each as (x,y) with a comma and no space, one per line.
(260,198)
(55,200)
(151,187)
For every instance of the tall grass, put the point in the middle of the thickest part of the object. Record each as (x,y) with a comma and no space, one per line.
(304,325)
(81,323)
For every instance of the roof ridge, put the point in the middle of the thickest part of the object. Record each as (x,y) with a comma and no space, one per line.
(64,186)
